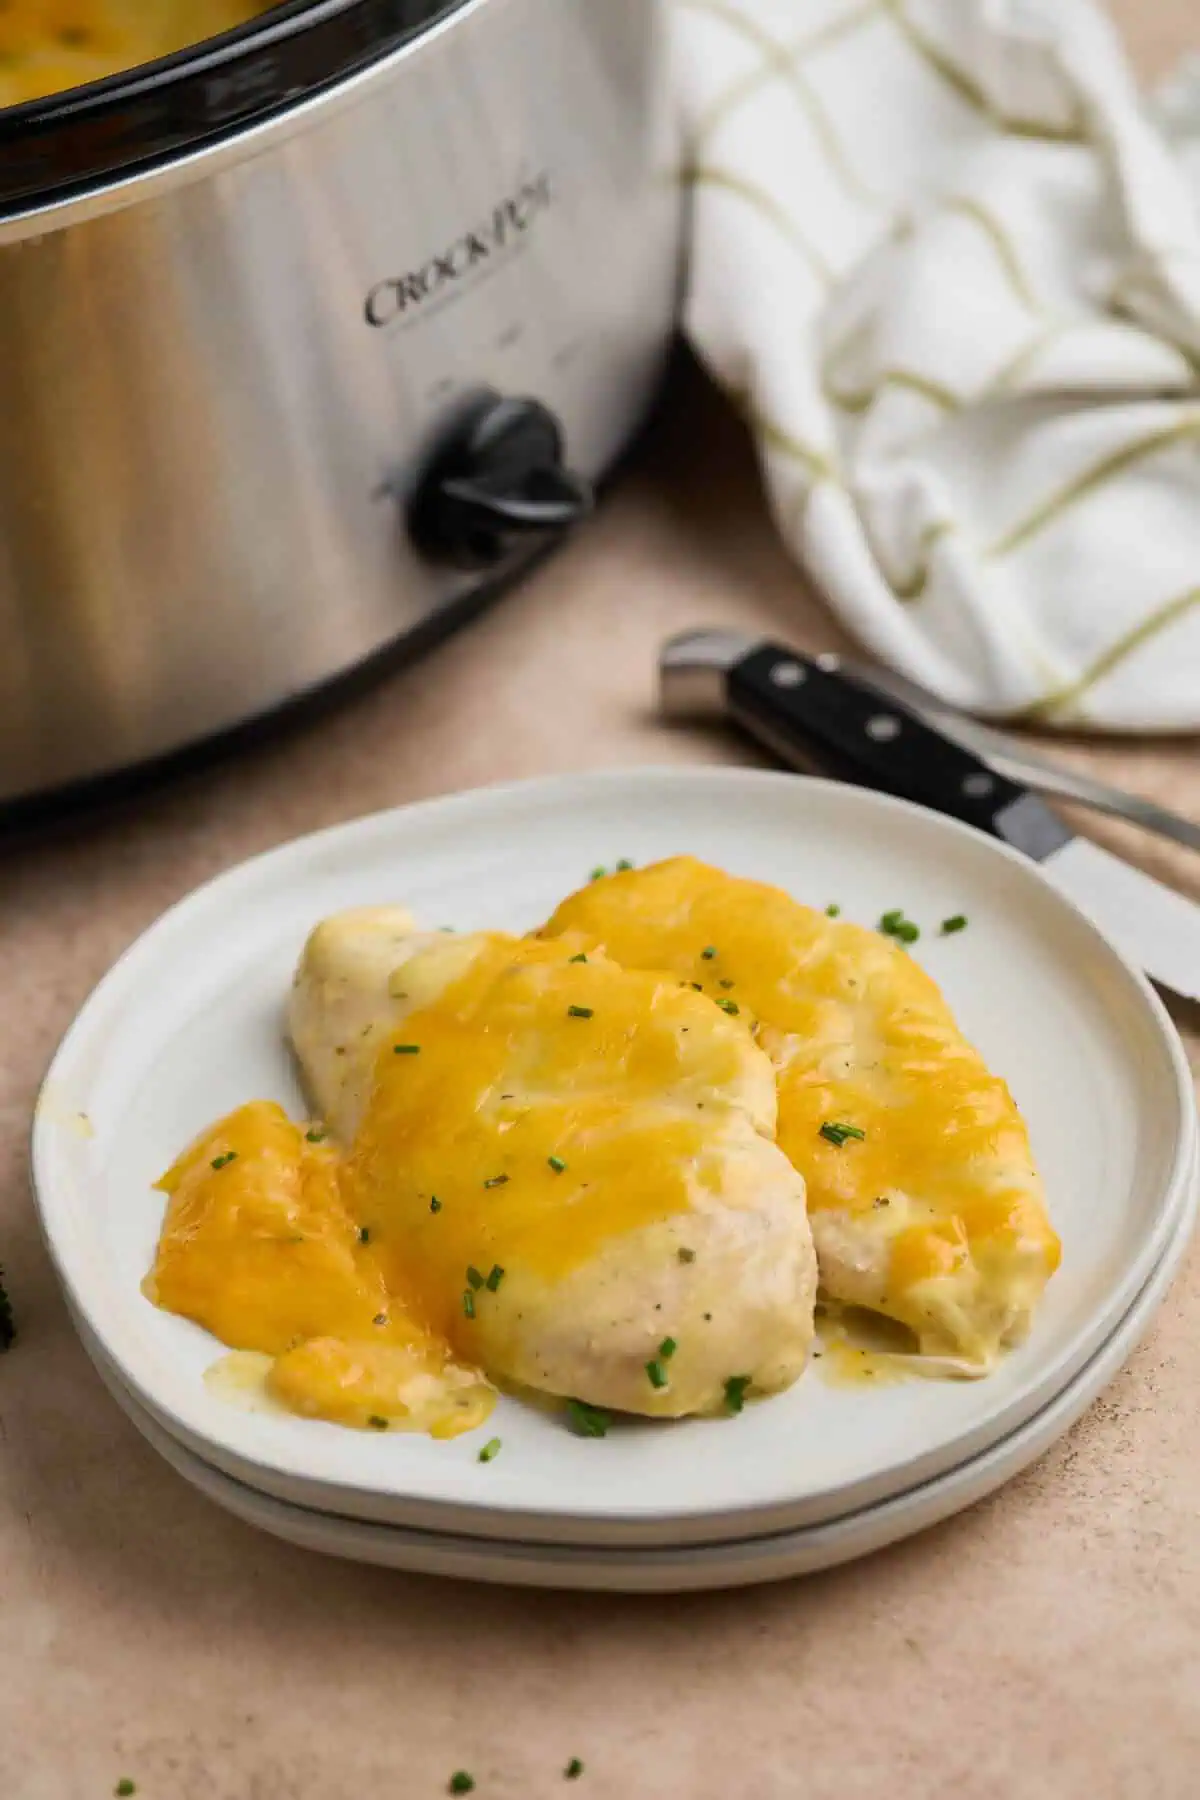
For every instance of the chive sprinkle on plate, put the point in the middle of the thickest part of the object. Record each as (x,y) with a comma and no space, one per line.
(461,1783)
(490,1451)
(957,923)
(735,1392)
(895,925)
(587,1421)
(573,1770)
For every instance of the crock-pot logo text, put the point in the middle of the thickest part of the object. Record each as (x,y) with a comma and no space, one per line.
(510,221)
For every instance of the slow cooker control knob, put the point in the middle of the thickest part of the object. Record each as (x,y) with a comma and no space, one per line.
(497,480)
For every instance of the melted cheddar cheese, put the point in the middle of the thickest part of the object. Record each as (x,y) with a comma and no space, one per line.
(49,45)
(935,1214)
(559,1167)
(525,1058)
(258,1247)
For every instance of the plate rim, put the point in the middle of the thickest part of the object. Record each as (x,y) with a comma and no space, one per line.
(486,1519)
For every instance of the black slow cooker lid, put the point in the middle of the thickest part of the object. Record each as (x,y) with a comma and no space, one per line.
(85,136)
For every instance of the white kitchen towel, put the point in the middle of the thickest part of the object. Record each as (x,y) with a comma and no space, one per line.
(948,263)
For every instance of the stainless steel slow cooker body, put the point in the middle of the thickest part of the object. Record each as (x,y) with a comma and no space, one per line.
(229,382)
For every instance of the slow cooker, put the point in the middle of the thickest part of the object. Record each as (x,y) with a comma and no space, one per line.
(308,333)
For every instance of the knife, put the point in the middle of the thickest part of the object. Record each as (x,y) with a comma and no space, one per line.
(1009,755)
(806,710)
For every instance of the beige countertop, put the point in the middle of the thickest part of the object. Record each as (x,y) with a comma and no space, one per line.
(1046,1644)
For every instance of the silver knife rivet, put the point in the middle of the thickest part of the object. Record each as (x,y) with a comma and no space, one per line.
(978,787)
(883,728)
(788,674)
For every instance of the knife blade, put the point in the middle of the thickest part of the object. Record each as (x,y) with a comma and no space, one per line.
(807,711)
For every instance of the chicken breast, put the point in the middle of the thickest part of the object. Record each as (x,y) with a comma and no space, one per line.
(924,1199)
(565,1168)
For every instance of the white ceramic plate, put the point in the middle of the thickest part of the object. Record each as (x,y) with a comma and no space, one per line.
(738,1564)
(188,1024)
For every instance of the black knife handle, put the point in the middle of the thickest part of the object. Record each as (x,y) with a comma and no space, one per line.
(804,712)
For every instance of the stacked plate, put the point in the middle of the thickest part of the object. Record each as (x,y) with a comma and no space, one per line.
(188,1025)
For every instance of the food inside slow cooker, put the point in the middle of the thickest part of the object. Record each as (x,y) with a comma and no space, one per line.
(49,45)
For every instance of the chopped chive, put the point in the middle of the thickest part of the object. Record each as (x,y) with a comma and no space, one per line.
(657,1374)
(582,957)
(364,1234)
(725,982)
(833,911)
(435,1205)
(461,1783)
(380,1319)
(895,925)
(686,1255)
(729,1006)
(317,1135)
(495,1277)
(557,1164)
(709,951)
(221,1162)
(474,1278)
(735,1392)
(667,1349)
(495,1181)
(624,865)
(837,1134)
(587,1421)
(490,1451)
(957,923)
(377,1422)
(598,873)
(406,1049)
(468,1304)
(573,1770)
(579,1012)
(125,1787)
